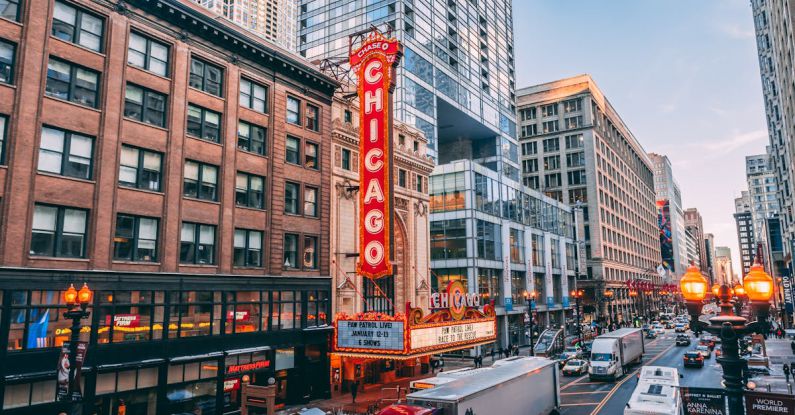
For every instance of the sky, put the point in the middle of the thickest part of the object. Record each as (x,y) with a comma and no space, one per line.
(683,75)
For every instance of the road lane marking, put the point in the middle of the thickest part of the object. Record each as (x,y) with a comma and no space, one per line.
(583,393)
(629,376)
(581,404)
(574,382)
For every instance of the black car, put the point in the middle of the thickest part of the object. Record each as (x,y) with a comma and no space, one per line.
(683,340)
(693,358)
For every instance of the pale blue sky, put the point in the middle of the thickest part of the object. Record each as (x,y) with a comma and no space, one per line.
(683,74)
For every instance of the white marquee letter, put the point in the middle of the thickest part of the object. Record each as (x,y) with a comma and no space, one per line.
(374,192)
(370,76)
(374,221)
(370,160)
(374,253)
(373,99)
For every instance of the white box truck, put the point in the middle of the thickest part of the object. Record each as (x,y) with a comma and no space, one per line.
(612,352)
(518,386)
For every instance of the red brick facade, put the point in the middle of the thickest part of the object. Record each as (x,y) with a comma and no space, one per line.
(28,108)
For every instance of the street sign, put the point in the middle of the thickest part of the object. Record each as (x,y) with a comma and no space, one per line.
(703,401)
(763,403)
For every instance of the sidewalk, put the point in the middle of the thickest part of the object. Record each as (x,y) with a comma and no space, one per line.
(375,395)
(778,352)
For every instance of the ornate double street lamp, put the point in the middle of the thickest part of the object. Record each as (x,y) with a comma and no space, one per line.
(76,304)
(577,294)
(531,305)
(758,287)
(610,308)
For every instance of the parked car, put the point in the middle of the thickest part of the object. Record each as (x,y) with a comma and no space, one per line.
(694,359)
(704,350)
(575,367)
(683,340)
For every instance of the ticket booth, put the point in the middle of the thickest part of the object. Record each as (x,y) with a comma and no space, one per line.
(258,400)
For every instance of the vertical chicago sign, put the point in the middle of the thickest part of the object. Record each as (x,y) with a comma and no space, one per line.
(374,62)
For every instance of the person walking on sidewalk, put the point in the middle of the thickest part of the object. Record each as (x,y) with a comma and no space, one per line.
(786,372)
(355,390)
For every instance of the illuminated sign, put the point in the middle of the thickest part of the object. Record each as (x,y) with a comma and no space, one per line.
(248,367)
(237,315)
(443,336)
(373,63)
(456,299)
(373,335)
(125,320)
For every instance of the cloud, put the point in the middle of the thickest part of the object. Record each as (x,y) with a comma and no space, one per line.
(735,31)
(737,140)
(668,108)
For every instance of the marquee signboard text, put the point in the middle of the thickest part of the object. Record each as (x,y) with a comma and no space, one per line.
(373,63)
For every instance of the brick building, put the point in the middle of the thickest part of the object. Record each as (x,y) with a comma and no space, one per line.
(182,169)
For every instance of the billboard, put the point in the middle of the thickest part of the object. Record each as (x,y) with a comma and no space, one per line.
(373,62)
(666,237)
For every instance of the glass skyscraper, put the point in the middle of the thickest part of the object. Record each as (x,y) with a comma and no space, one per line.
(456,80)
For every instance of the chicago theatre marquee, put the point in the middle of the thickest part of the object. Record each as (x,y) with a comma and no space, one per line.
(387,322)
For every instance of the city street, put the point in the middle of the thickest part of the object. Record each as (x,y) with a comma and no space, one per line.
(580,396)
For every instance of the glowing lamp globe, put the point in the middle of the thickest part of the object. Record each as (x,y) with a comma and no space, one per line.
(716,290)
(739,290)
(70,296)
(85,295)
(693,285)
(758,284)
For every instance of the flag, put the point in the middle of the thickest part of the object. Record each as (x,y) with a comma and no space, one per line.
(37,331)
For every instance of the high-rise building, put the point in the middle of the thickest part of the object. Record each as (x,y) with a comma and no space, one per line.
(695,224)
(274,20)
(762,190)
(745,238)
(691,244)
(709,245)
(724,271)
(670,217)
(776,47)
(743,203)
(190,192)
(456,79)
(575,148)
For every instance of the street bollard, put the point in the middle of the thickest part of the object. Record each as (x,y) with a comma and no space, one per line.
(768,387)
(789,388)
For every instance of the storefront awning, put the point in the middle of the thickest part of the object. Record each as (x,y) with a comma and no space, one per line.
(129,365)
(181,359)
(247,350)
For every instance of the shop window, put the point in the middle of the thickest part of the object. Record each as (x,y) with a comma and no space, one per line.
(72,83)
(195,313)
(148,54)
(77,26)
(36,321)
(287,310)
(285,359)
(27,394)
(206,77)
(317,308)
(129,316)
(185,399)
(245,312)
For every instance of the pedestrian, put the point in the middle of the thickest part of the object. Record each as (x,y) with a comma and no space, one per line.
(354,390)
(792,346)
(786,372)
(494,348)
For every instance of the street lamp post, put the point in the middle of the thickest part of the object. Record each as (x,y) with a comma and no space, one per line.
(76,304)
(610,308)
(531,301)
(634,305)
(758,286)
(577,294)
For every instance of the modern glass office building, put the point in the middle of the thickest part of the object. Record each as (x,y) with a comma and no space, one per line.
(456,79)
(502,240)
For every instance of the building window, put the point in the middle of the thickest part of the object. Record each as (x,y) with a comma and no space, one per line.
(527,113)
(489,286)
(576,177)
(488,240)
(201,181)
(551,162)
(204,124)
(135,239)
(572,105)
(291,198)
(420,180)
(248,248)
(144,105)
(575,159)
(293,110)
(310,252)
(58,232)
(532,182)
(550,126)
(252,138)
(140,168)
(287,310)
(346,159)
(194,313)
(148,54)
(401,178)
(575,141)
(197,244)
(444,276)
(291,251)
(9,9)
(250,190)
(293,150)
(3,134)
(538,250)
(549,110)
(552,180)
(311,156)
(573,122)
(448,239)
(530,166)
(310,202)
(517,246)
(77,26)
(7,53)
(551,144)
(348,117)
(253,95)
(317,308)
(206,77)
(529,149)
(65,153)
(518,287)
(312,117)
(72,83)
(529,130)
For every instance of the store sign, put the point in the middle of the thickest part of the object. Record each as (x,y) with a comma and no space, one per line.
(248,367)
(126,320)
(763,403)
(373,63)
(374,335)
(703,401)
(237,315)
(442,336)
(786,283)
(231,384)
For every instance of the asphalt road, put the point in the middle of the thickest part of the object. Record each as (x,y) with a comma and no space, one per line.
(579,396)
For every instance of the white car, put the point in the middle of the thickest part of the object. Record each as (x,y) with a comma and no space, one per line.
(659,329)
(575,367)
(704,350)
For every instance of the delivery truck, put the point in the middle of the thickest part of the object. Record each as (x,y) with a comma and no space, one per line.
(517,386)
(612,353)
